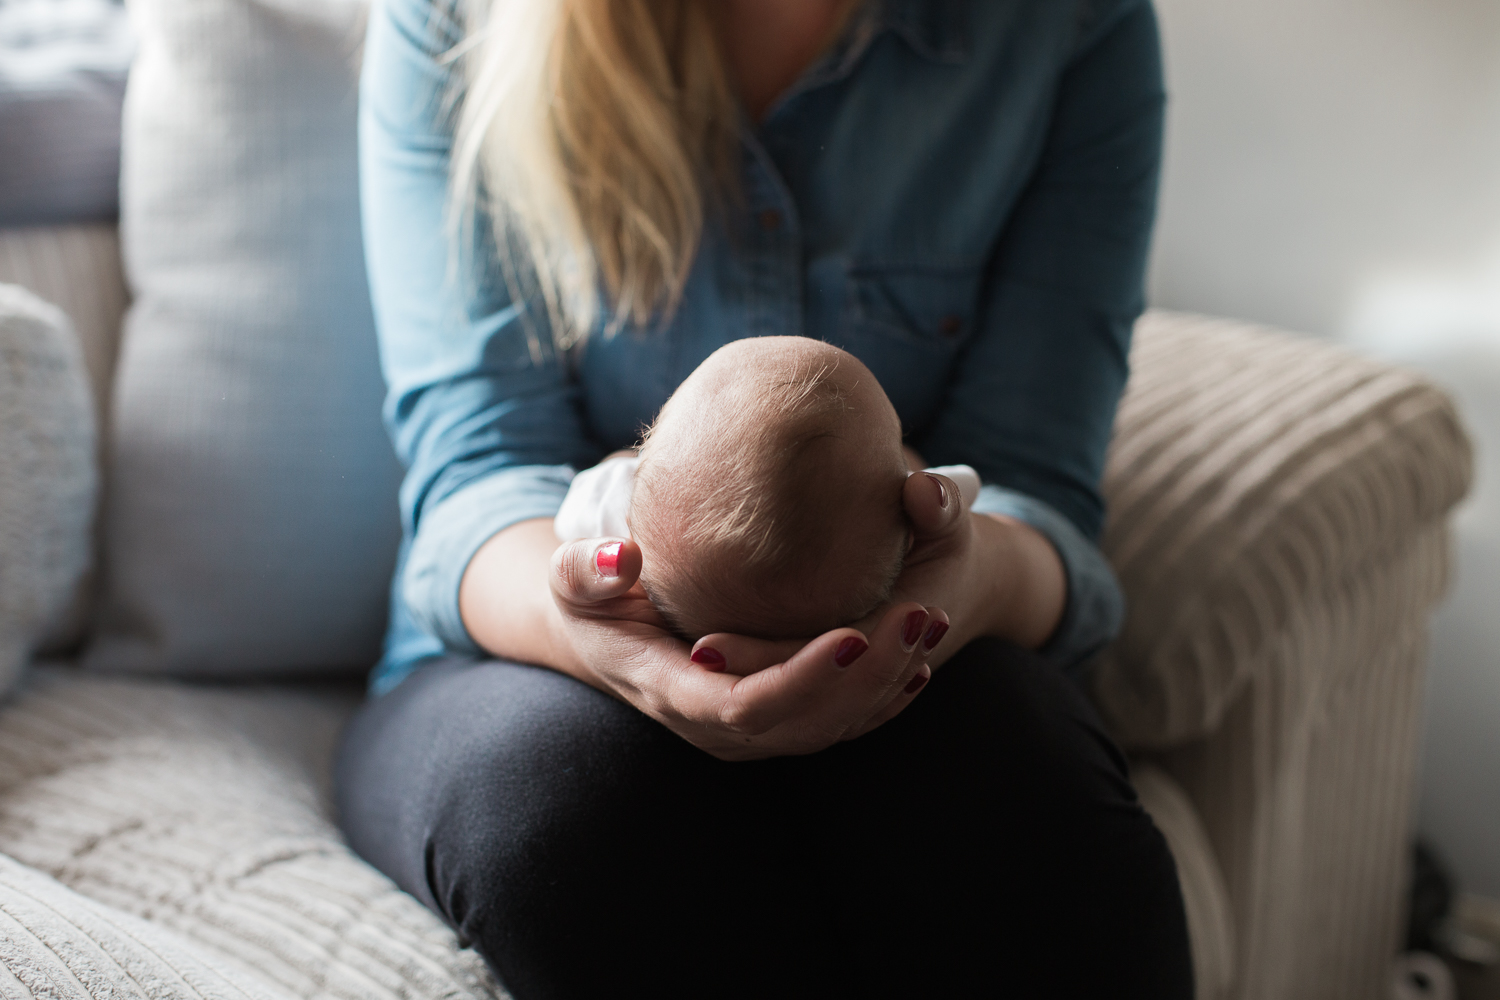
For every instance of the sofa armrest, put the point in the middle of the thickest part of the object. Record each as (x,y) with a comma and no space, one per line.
(1249,471)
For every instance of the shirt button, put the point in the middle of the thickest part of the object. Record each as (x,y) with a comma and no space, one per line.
(951,326)
(769,219)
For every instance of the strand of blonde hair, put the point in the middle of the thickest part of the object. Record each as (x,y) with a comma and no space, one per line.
(594,134)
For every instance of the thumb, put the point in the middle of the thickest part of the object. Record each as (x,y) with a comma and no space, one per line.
(593,570)
(934,504)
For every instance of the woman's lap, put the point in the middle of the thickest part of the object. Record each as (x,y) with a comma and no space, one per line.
(985,841)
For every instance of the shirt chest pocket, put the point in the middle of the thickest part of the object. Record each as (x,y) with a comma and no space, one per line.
(907,324)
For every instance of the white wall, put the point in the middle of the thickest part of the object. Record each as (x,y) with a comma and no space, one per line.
(1333,166)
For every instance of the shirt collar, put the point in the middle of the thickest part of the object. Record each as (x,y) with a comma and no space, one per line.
(935,29)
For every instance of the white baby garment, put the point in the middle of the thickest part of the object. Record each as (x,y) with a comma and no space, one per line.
(599,498)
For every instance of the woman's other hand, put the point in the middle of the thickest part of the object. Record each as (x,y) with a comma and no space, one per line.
(734,697)
(995,575)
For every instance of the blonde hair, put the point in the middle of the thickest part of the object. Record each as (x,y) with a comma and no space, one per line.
(594,133)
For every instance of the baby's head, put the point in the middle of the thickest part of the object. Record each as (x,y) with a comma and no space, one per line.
(768,498)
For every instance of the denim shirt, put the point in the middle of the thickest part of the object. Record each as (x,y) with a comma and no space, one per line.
(959,192)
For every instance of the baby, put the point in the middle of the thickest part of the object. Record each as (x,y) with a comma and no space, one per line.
(766,498)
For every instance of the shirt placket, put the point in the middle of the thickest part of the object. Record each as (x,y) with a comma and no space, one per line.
(771,249)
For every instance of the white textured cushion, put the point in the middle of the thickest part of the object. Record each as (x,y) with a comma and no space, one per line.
(205,811)
(58,945)
(76,268)
(47,473)
(250,522)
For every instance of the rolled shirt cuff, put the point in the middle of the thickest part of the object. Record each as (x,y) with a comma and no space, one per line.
(452,531)
(1095,607)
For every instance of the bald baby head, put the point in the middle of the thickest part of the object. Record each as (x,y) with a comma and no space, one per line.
(768,497)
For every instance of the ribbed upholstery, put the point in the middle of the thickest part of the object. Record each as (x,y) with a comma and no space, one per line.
(59,945)
(1204,895)
(1279,521)
(204,811)
(76,268)
(1249,468)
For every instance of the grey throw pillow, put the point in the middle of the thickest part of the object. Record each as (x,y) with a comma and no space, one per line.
(250,519)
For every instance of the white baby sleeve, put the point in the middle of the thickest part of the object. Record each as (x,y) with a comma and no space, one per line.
(598,501)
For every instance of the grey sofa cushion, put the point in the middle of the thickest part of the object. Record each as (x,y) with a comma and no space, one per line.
(62,78)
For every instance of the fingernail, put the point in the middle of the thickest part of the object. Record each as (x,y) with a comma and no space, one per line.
(911,629)
(918,682)
(608,560)
(942,491)
(850,650)
(935,633)
(709,658)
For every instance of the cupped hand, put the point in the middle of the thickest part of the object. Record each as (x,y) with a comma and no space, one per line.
(995,575)
(734,697)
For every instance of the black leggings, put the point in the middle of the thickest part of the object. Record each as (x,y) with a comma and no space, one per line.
(986,842)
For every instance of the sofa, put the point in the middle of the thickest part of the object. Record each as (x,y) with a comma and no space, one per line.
(197,529)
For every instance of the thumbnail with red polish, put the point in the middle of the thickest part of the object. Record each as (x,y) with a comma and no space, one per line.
(608,560)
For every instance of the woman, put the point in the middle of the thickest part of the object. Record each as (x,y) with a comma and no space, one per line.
(959,192)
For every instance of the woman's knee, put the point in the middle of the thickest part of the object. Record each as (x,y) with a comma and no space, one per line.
(471,776)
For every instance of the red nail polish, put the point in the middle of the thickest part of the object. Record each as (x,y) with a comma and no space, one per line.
(935,633)
(850,650)
(911,629)
(608,560)
(917,683)
(942,491)
(709,658)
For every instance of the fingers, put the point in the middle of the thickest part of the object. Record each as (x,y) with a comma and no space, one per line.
(933,503)
(837,682)
(741,655)
(592,570)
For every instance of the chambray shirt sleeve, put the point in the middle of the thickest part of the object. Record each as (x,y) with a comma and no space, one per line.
(1033,402)
(481,410)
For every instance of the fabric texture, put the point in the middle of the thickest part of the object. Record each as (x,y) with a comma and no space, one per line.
(985,842)
(62,79)
(204,812)
(250,521)
(76,268)
(48,475)
(1249,469)
(58,945)
(1279,519)
(1205,898)
(959,194)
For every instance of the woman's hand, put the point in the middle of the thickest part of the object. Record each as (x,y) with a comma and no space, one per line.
(995,575)
(836,687)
